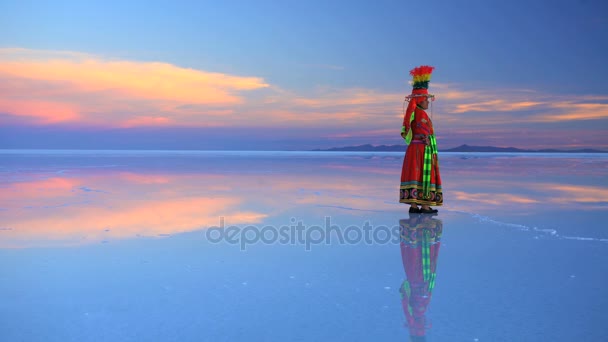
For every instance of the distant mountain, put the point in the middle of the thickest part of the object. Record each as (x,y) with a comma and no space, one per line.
(461,148)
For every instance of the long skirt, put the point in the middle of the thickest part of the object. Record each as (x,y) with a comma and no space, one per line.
(411,190)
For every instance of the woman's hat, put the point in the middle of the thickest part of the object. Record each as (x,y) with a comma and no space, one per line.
(421,76)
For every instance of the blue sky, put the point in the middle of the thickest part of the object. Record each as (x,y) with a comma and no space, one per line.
(299,75)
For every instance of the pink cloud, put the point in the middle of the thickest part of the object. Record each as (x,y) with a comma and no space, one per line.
(42,112)
(73,87)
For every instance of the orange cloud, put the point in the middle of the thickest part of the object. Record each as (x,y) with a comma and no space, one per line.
(82,85)
(151,80)
(574,112)
(495,106)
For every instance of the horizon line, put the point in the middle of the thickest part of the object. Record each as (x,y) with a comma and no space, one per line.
(59,150)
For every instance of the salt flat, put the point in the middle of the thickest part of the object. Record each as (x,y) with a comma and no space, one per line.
(187,245)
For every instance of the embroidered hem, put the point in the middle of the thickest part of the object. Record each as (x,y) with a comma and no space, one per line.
(413,193)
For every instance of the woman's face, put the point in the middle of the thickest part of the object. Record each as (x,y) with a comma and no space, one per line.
(424,103)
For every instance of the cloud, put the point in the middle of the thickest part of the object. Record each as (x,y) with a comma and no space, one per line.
(151,80)
(66,86)
(498,105)
(78,89)
(327,107)
(42,111)
(488,100)
(71,87)
(571,111)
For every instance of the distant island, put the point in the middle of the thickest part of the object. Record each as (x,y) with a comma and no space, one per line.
(461,148)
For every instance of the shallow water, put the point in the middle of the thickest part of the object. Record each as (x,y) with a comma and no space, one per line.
(162,245)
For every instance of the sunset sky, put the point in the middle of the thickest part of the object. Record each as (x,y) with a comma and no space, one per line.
(299,75)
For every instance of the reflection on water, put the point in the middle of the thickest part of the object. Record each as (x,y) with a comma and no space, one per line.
(74,200)
(88,207)
(60,199)
(191,289)
(420,242)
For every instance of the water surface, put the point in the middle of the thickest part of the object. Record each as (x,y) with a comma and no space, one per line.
(125,246)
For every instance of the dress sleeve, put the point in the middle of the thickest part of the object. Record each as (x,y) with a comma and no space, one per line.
(406,129)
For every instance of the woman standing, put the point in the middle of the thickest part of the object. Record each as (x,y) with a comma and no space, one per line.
(420,179)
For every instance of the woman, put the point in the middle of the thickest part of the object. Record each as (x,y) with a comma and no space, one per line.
(420,179)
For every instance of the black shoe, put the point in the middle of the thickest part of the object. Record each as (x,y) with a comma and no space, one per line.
(414,210)
(428,211)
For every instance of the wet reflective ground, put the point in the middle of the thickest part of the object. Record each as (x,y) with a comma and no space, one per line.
(191,246)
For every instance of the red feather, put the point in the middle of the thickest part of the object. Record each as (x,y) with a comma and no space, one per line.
(422,70)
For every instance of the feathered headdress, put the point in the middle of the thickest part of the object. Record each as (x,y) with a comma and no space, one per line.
(421,76)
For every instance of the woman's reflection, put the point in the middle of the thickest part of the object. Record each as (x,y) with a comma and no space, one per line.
(420,242)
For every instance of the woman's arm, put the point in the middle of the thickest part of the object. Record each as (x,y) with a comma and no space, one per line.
(406,129)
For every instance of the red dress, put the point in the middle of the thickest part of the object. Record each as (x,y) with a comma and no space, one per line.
(418,125)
